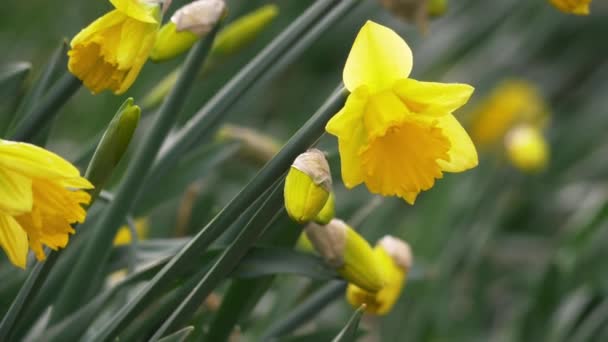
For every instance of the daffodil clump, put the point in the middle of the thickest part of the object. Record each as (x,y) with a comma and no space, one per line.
(396,134)
(578,7)
(110,52)
(41,196)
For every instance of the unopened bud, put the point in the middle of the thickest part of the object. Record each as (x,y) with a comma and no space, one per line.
(199,17)
(398,249)
(526,148)
(393,257)
(186,27)
(328,211)
(348,252)
(255,146)
(307,186)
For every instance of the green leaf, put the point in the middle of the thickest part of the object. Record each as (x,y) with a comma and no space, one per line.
(46,109)
(194,165)
(228,260)
(305,311)
(349,332)
(178,336)
(12,77)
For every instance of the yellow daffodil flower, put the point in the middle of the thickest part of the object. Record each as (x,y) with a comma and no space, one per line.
(396,134)
(578,7)
(110,52)
(394,259)
(40,198)
(124,237)
(527,148)
(511,103)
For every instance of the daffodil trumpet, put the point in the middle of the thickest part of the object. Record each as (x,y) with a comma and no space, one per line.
(111,51)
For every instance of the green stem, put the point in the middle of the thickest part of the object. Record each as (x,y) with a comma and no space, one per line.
(304,137)
(305,311)
(226,262)
(98,246)
(46,110)
(243,294)
(202,123)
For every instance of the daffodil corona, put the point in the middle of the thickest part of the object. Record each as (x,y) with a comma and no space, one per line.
(110,52)
(40,197)
(396,134)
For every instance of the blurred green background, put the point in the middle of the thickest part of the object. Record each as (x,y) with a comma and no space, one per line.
(500,255)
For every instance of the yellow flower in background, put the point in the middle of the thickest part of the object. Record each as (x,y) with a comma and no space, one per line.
(527,148)
(40,198)
(396,134)
(124,237)
(510,103)
(579,7)
(110,52)
(394,259)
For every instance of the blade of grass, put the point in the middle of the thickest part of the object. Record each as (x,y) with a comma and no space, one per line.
(227,261)
(305,311)
(349,332)
(46,109)
(98,246)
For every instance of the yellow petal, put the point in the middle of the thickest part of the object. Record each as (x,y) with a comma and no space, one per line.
(139,39)
(13,240)
(138,9)
(431,97)
(15,193)
(462,153)
(350,117)
(348,126)
(377,59)
(33,161)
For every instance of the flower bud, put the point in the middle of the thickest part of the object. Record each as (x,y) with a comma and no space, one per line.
(255,146)
(394,258)
(307,186)
(346,251)
(186,27)
(526,148)
(237,35)
(328,211)
(199,17)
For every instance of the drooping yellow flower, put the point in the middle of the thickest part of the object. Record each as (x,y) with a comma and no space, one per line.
(110,52)
(512,102)
(124,236)
(394,259)
(578,7)
(396,134)
(40,198)
(527,148)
